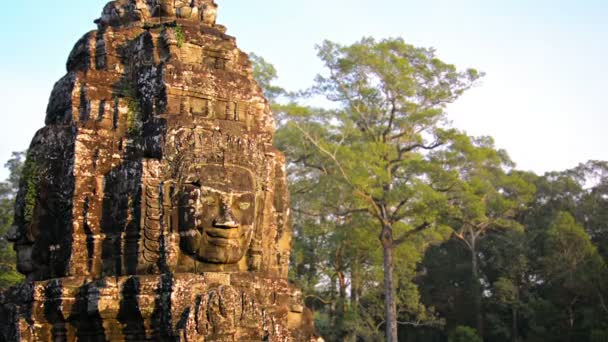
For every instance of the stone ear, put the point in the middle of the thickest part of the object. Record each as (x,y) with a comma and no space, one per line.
(255,254)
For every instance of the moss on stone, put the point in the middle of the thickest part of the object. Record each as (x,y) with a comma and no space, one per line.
(31,188)
(133,117)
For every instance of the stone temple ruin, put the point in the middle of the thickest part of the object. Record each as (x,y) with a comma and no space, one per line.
(153,206)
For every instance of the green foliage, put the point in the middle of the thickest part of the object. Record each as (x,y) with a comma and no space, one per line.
(367,165)
(568,250)
(592,208)
(533,267)
(179,35)
(546,282)
(599,336)
(15,168)
(464,334)
(485,196)
(265,74)
(8,273)
(8,190)
(506,291)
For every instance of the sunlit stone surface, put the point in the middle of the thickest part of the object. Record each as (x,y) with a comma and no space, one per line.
(153,205)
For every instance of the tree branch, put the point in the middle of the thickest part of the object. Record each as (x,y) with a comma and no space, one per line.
(402,151)
(422,146)
(414,324)
(409,234)
(461,237)
(350,212)
(389,127)
(323,301)
(421,324)
(304,161)
(370,200)
(394,216)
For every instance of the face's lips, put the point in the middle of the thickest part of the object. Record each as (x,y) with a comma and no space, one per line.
(221,242)
(225,224)
(223,233)
(217,236)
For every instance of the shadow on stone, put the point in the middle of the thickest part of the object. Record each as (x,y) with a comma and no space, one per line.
(161,317)
(53,311)
(121,214)
(85,316)
(129,314)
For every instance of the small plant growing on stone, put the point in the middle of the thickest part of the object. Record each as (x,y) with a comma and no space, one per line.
(133,109)
(180,36)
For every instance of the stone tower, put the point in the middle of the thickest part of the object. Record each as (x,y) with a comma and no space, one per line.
(153,206)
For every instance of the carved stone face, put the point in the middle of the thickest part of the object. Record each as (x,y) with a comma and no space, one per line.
(217,213)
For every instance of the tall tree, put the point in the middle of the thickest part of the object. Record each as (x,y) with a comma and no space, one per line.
(570,266)
(390,111)
(8,190)
(484,196)
(509,279)
(592,208)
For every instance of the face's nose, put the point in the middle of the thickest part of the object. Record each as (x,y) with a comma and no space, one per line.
(13,234)
(225,219)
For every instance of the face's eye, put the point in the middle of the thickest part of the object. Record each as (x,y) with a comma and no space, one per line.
(244,205)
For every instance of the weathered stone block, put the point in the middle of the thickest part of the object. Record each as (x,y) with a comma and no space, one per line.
(179,307)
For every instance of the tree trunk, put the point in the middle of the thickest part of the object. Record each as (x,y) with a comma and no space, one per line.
(571,320)
(390,302)
(355,290)
(476,291)
(334,305)
(514,329)
(341,306)
(342,291)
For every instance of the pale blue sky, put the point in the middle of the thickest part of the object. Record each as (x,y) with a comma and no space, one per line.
(546,61)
